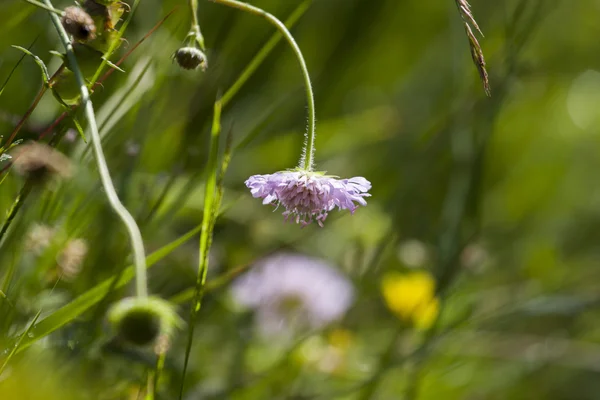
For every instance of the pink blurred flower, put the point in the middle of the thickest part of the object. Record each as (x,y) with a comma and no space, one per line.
(293,291)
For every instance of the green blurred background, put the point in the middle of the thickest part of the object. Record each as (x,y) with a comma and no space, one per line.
(496,197)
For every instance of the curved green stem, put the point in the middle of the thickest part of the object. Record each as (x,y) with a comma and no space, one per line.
(132,228)
(195,33)
(307,159)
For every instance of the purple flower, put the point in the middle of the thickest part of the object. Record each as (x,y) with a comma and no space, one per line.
(307,195)
(293,291)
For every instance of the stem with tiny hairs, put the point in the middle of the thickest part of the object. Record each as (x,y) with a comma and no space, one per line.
(134,232)
(307,159)
(195,29)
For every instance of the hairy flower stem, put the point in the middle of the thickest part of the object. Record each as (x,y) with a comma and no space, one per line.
(195,33)
(132,228)
(307,159)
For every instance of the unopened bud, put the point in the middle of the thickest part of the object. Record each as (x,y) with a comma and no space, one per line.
(190,58)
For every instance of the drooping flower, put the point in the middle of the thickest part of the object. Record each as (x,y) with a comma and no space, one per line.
(309,195)
(290,291)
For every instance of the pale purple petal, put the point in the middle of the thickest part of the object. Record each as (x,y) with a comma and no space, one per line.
(309,196)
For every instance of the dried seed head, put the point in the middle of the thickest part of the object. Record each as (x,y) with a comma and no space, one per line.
(40,161)
(71,258)
(78,23)
(469,23)
(39,238)
(143,321)
(190,58)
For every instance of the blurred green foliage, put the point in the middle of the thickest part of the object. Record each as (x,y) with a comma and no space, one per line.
(496,197)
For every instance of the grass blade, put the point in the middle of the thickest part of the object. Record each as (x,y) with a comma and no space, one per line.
(12,71)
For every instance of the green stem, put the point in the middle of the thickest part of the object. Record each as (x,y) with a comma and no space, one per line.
(262,54)
(307,159)
(385,361)
(132,228)
(195,32)
(25,190)
(211,203)
(45,7)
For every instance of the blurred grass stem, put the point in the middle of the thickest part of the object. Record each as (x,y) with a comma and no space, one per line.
(307,159)
(45,7)
(212,203)
(113,198)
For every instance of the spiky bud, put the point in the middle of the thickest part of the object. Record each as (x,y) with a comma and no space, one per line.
(142,321)
(190,58)
(78,23)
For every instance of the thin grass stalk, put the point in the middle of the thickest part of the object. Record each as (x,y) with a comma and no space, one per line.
(210,204)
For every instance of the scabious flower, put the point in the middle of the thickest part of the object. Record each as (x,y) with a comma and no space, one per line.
(290,291)
(309,196)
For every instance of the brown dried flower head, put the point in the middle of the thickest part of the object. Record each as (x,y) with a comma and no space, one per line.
(40,161)
(476,52)
(39,237)
(78,23)
(71,258)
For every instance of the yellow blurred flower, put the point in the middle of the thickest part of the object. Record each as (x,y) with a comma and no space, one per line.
(412,297)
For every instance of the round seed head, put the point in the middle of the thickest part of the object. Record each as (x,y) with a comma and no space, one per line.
(190,58)
(142,321)
(78,23)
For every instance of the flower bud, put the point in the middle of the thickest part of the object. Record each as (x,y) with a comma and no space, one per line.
(78,23)
(190,58)
(142,321)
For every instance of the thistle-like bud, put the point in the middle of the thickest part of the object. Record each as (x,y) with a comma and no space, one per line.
(142,321)
(39,161)
(78,23)
(190,58)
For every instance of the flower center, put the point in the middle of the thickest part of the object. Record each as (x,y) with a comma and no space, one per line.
(305,198)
